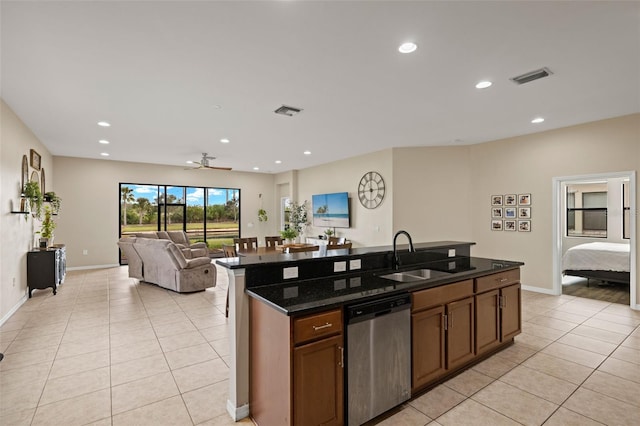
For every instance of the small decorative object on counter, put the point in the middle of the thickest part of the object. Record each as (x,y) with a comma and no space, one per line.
(328,232)
(289,234)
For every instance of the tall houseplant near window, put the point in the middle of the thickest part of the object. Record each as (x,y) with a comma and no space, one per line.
(298,217)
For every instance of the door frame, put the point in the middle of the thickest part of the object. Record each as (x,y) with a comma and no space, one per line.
(558,232)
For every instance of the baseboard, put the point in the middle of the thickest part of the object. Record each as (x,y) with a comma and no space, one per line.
(237,413)
(548,291)
(13,310)
(81,268)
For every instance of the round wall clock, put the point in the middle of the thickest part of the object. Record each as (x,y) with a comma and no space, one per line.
(371,190)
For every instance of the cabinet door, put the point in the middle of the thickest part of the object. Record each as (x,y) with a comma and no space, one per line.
(318,387)
(460,332)
(427,346)
(510,311)
(487,321)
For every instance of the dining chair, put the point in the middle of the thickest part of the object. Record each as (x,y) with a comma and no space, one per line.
(272,242)
(250,243)
(228,251)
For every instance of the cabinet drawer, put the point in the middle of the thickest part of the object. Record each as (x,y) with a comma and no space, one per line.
(440,295)
(318,325)
(498,280)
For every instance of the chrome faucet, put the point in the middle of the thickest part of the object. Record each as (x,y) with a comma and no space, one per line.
(396,260)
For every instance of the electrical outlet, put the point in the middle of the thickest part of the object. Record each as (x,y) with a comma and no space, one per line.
(85,252)
(339,266)
(289,273)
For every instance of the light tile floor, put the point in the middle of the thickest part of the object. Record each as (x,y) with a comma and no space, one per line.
(110,351)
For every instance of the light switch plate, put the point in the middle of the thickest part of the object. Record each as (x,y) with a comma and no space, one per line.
(289,273)
(339,266)
(355,264)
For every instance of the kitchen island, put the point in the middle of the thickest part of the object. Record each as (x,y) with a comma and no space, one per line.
(292,307)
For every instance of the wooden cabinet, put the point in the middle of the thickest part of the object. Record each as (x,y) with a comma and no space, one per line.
(442,325)
(498,316)
(318,382)
(296,367)
(46,268)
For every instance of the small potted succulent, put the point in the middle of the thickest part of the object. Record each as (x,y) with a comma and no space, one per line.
(328,232)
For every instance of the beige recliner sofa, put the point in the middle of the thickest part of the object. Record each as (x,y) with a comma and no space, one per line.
(162,262)
(190,250)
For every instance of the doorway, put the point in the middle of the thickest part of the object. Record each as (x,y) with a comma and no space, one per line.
(579,211)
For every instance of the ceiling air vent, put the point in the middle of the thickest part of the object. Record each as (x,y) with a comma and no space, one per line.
(287,110)
(531,75)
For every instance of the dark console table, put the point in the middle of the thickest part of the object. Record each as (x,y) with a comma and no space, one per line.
(46,268)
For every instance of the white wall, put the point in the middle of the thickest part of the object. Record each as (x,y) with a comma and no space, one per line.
(527,164)
(369,227)
(16,140)
(90,201)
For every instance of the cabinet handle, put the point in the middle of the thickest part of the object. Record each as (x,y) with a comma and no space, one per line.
(341,363)
(320,327)
(445,322)
(503,280)
(451,320)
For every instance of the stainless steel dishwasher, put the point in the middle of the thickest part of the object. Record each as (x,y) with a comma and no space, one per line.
(378,357)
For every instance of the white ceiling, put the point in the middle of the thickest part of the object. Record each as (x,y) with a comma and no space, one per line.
(156,70)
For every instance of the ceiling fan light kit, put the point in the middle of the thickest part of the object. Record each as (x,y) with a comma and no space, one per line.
(204,163)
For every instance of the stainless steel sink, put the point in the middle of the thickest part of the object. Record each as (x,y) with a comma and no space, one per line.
(415,275)
(401,277)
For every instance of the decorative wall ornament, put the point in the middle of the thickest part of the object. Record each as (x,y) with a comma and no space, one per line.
(517,217)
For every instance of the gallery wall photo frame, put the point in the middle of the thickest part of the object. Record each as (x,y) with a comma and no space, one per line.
(510,200)
(496,225)
(496,200)
(524,226)
(510,225)
(496,212)
(35,159)
(524,199)
(524,212)
(510,212)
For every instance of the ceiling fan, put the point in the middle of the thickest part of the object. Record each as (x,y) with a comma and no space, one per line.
(204,163)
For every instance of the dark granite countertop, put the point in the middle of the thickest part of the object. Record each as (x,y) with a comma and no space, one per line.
(307,296)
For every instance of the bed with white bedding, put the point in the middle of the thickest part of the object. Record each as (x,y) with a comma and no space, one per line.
(602,261)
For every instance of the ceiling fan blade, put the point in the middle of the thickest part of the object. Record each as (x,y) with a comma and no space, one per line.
(216,168)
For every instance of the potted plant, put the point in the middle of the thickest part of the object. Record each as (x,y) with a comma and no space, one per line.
(262,215)
(298,217)
(289,234)
(46,231)
(328,232)
(31,192)
(51,197)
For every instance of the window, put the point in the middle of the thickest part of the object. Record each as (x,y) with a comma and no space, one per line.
(626,211)
(587,210)
(211,215)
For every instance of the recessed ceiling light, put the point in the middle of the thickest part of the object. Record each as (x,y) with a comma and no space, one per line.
(483,84)
(225,140)
(407,47)
(537,120)
(103,142)
(104,154)
(278,162)
(256,168)
(216,106)
(103,124)
(307,153)
(189,162)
